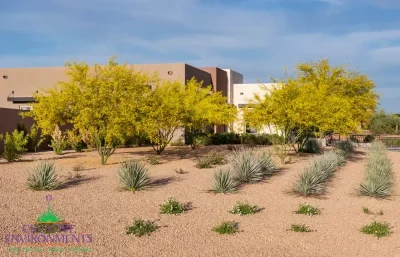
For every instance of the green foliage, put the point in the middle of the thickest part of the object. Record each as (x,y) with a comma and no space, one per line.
(224,182)
(377,229)
(58,141)
(178,142)
(105,148)
(314,177)
(227,227)
(346,147)
(210,159)
(14,145)
(391,142)
(384,123)
(172,206)
(307,209)
(312,146)
(378,175)
(44,177)
(201,140)
(133,176)
(250,166)
(141,227)
(153,160)
(244,209)
(368,139)
(33,136)
(300,228)
(225,138)
(367,211)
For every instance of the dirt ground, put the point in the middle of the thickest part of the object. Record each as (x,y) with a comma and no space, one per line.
(95,205)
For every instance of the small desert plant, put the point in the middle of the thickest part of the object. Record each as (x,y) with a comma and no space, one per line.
(282,152)
(153,160)
(378,229)
(300,228)
(244,209)
(224,182)
(312,146)
(378,146)
(44,177)
(180,171)
(251,166)
(58,141)
(133,176)
(314,177)
(172,206)
(307,209)
(78,167)
(14,145)
(367,211)
(227,227)
(203,163)
(346,147)
(210,159)
(141,227)
(378,175)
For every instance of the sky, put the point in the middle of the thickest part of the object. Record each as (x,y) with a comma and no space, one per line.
(258,38)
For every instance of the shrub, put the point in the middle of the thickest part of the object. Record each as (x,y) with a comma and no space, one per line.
(227,227)
(210,159)
(307,209)
(178,142)
(320,170)
(244,209)
(225,138)
(367,211)
(224,183)
(153,160)
(378,229)
(133,176)
(300,228)
(251,166)
(58,141)
(368,139)
(312,146)
(14,145)
(378,175)
(78,167)
(346,147)
(172,206)
(44,177)
(180,171)
(201,140)
(141,227)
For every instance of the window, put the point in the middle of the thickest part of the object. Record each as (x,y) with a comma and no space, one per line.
(25,107)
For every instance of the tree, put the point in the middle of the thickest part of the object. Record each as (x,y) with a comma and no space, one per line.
(162,113)
(202,108)
(384,123)
(101,100)
(319,97)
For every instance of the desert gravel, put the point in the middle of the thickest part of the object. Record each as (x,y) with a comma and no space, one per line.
(94,204)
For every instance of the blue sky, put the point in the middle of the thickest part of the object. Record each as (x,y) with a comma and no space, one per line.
(258,38)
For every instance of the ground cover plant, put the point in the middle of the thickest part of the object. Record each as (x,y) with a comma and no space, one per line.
(368,211)
(44,177)
(142,227)
(378,174)
(378,229)
(210,159)
(314,177)
(307,209)
(244,209)
(300,228)
(134,176)
(227,227)
(172,206)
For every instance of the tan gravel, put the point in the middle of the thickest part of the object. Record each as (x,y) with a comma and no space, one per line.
(96,206)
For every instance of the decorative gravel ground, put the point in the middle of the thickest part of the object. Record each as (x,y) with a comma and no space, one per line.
(93,204)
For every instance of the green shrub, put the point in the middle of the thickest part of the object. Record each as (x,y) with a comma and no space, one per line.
(172,206)
(133,176)
(141,227)
(300,228)
(307,209)
(153,160)
(227,227)
(314,177)
(377,229)
(201,140)
(224,182)
(312,146)
(244,209)
(250,166)
(210,159)
(14,145)
(367,211)
(346,147)
(178,142)
(378,175)
(225,138)
(391,142)
(44,177)
(368,139)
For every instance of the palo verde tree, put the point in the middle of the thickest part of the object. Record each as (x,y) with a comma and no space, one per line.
(103,101)
(319,96)
(203,107)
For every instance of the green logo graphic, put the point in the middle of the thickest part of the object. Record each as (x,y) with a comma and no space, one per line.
(49,216)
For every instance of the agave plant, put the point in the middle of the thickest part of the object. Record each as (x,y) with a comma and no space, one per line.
(321,169)
(133,176)
(224,182)
(44,177)
(250,166)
